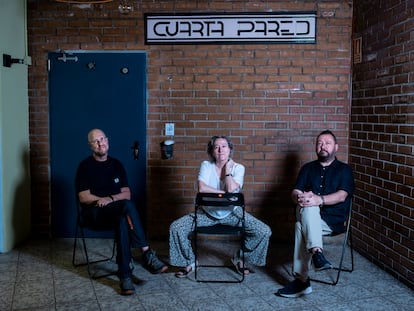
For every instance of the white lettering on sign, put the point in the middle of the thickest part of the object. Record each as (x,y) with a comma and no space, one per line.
(247,28)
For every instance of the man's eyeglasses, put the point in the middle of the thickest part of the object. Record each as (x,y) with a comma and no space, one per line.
(100,140)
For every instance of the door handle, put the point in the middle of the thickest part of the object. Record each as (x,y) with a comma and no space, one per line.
(135,150)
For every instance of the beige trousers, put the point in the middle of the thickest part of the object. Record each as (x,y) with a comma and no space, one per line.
(309,229)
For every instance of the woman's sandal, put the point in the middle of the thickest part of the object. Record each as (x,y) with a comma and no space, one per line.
(240,268)
(185,272)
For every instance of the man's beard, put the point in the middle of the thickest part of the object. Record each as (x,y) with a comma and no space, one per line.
(324,156)
(100,153)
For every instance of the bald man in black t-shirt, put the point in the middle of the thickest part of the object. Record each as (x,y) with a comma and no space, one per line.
(105,198)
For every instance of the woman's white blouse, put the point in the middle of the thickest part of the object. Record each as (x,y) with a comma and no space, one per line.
(209,176)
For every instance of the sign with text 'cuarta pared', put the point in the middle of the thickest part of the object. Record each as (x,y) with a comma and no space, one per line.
(231,28)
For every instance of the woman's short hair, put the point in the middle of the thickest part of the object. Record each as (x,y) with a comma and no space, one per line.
(210,145)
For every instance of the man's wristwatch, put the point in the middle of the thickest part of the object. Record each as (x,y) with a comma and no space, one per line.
(323,201)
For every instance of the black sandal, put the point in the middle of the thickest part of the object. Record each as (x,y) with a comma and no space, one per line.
(183,273)
(241,269)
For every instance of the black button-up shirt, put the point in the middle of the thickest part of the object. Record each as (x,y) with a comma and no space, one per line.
(324,180)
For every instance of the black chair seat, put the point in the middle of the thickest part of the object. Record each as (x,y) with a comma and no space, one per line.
(220,230)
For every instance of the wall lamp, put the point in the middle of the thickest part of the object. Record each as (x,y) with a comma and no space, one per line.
(8,60)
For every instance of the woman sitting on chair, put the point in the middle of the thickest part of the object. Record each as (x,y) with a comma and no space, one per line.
(219,175)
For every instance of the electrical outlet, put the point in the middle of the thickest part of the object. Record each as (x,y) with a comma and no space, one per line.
(169,129)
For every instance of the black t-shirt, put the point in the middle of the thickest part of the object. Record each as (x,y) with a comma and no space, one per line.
(101,178)
(326,180)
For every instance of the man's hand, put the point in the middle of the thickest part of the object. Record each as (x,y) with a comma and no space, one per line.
(307,199)
(103,201)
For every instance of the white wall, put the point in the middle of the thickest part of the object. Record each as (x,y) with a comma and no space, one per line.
(14,128)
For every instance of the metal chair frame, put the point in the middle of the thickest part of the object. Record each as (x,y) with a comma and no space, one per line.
(80,228)
(347,238)
(224,200)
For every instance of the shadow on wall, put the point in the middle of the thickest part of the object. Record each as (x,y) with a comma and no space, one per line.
(277,209)
(21,216)
(166,200)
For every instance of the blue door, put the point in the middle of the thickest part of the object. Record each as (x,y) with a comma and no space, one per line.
(89,90)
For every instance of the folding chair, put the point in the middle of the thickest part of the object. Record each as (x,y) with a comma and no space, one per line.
(81,226)
(222,201)
(347,238)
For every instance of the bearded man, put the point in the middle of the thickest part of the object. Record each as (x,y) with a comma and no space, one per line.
(322,195)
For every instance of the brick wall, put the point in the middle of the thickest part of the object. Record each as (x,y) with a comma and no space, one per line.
(382,136)
(272,99)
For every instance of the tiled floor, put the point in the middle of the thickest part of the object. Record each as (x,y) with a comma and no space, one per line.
(40,276)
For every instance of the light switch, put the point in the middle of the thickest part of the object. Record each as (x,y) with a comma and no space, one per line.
(169,129)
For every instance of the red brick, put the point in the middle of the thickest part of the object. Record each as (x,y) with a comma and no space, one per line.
(382,126)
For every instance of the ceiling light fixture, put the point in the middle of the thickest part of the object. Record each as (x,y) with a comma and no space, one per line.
(124,7)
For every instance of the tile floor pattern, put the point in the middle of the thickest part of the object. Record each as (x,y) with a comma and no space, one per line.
(40,276)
